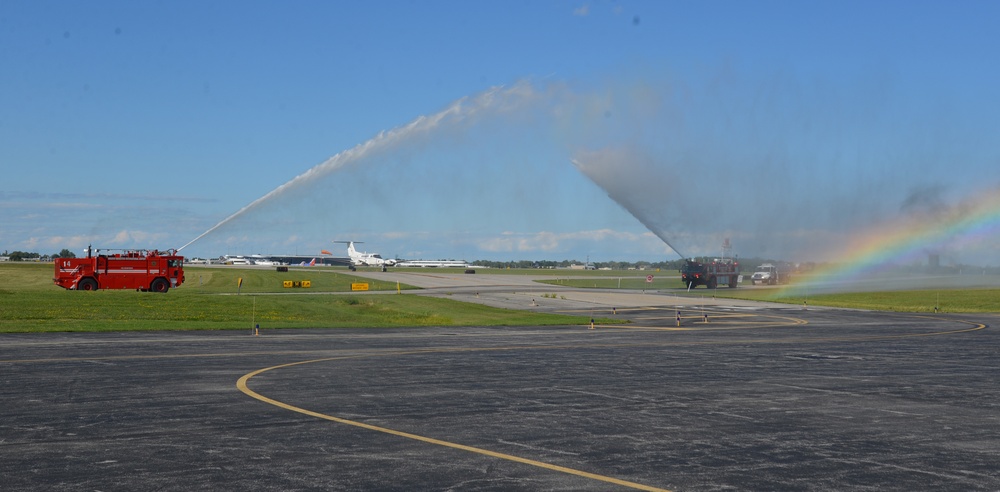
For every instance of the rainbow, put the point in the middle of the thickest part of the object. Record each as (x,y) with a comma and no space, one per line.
(907,239)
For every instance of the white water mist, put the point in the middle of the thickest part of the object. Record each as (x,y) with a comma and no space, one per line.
(464,111)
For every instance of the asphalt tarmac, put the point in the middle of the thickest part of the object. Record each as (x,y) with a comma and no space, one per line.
(756,398)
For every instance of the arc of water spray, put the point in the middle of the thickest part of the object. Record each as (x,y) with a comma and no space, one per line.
(463,110)
(635,213)
(656,231)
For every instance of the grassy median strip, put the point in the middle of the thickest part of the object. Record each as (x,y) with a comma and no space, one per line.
(30,302)
(951,300)
(911,301)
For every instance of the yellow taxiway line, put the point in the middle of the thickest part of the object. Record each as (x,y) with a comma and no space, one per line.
(242,385)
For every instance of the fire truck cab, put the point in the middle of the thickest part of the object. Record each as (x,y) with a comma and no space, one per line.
(145,270)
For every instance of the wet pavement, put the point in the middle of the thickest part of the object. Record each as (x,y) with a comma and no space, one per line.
(757,398)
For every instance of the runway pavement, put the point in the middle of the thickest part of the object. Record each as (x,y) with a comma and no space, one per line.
(523,292)
(756,398)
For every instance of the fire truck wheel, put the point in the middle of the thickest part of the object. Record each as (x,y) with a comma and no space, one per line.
(159,285)
(87,284)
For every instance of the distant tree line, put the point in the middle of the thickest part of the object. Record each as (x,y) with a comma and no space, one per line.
(29,256)
(611,265)
(747,265)
(666,265)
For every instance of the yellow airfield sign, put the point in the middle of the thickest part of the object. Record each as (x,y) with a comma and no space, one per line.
(359,286)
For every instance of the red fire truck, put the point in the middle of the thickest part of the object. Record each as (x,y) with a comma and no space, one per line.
(724,271)
(145,270)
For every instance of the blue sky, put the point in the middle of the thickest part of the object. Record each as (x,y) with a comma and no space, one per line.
(577,129)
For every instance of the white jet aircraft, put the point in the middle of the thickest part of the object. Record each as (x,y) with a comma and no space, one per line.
(366,259)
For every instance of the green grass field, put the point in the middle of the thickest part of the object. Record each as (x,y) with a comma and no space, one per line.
(953,300)
(912,301)
(30,302)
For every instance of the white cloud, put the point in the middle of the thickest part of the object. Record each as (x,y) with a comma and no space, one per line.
(137,238)
(401,235)
(51,205)
(68,242)
(582,11)
(496,245)
(567,242)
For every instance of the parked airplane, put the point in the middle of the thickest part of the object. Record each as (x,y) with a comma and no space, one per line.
(311,263)
(366,259)
(261,260)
